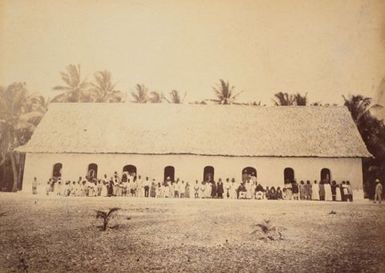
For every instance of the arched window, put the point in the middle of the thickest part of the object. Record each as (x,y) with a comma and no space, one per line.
(247,172)
(169,171)
(56,172)
(325,175)
(288,175)
(92,171)
(131,169)
(208,173)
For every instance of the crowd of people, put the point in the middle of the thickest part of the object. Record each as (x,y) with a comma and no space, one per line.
(132,185)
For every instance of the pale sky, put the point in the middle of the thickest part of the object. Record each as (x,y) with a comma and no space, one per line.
(325,48)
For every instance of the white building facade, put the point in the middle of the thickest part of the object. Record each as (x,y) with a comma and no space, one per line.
(335,151)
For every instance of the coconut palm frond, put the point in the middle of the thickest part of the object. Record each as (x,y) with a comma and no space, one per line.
(101,214)
(112,211)
(141,94)
(224,93)
(75,87)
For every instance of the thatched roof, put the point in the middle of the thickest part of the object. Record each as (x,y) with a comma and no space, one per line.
(229,130)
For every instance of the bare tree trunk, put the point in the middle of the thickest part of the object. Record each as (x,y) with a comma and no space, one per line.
(20,171)
(14,171)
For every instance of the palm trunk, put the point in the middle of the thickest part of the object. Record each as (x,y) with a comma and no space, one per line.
(14,171)
(20,170)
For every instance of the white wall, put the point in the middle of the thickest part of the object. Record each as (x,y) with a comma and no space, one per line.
(190,167)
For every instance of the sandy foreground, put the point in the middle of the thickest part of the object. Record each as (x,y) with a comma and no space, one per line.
(43,234)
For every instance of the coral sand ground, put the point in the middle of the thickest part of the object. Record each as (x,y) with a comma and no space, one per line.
(44,234)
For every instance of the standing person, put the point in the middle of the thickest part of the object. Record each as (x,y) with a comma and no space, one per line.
(166,189)
(344,191)
(134,187)
(227,188)
(182,189)
(321,191)
(104,191)
(295,190)
(234,189)
(213,189)
(100,187)
(208,189)
(59,188)
(34,186)
(378,191)
(220,189)
(289,190)
(309,190)
(110,189)
(176,188)
(315,191)
(153,189)
(338,192)
(203,190)
(159,190)
(147,186)
(267,193)
(140,190)
(273,193)
(196,189)
(187,190)
(279,193)
(328,191)
(302,190)
(334,190)
(350,191)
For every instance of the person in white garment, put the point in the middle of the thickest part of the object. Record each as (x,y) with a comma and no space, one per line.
(338,192)
(328,191)
(202,193)
(208,189)
(140,190)
(166,189)
(234,189)
(315,191)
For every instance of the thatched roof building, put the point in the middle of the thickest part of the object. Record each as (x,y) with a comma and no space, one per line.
(196,142)
(197,130)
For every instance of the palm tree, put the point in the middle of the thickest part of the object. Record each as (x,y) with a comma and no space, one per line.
(20,113)
(225,93)
(372,131)
(141,95)
(283,99)
(359,106)
(75,89)
(286,99)
(103,89)
(300,100)
(174,97)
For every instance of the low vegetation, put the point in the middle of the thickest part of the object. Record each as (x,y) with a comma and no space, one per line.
(169,235)
(106,217)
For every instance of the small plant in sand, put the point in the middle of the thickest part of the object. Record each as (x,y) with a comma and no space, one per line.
(267,230)
(106,217)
